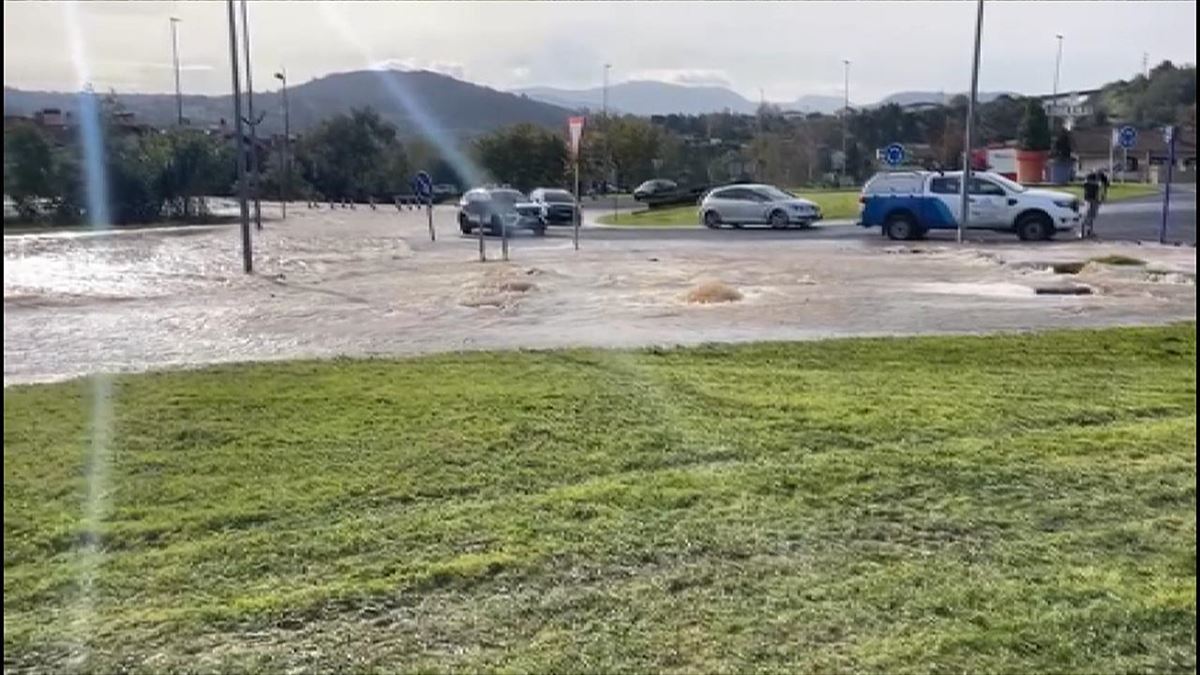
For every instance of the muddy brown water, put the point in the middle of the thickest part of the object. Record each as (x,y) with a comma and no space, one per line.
(371,283)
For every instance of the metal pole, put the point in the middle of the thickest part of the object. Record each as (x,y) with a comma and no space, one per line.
(845,119)
(287,144)
(578,204)
(1112,137)
(250,117)
(247,253)
(610,168)
(482,249)
(964,217)
(504,240)
(1125,159)
(1162,228)
(175,57)
(429,213)
(1057,67)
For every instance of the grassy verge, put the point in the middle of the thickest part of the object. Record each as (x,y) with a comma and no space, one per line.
(835,204)
(1016,504)
(1116,191)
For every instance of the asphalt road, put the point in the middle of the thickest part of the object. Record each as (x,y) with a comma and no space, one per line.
(1135,219)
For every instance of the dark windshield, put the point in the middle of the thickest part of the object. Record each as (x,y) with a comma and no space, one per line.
(508,196)
(558,196)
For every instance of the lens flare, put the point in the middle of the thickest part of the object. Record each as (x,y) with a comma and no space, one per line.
(89,553)
(426,124)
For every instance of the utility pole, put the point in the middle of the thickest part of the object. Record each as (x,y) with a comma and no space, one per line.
(610,169)
(1146,65)
(845,119)
(287,144)
(250,119)
(175,56)
(1057,68)
(247,254)
(964,217)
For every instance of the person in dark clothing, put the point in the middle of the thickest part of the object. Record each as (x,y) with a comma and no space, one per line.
(1091,195)
(1103,176)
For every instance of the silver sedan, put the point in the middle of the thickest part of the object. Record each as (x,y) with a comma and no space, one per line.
(754,204)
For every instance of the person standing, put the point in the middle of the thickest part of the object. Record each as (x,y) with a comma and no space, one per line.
(1103,176)
(1091,196)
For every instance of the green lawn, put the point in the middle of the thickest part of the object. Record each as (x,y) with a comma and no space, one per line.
(1015,504)
(834,204)
(1116,191)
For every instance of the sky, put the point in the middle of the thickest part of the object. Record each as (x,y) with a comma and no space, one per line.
(781,50)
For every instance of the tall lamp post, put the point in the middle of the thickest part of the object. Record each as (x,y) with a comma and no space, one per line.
(250,119)
(965,214)
(175,58)
(1057,68)
(287,148)
(609,169)
(247,254)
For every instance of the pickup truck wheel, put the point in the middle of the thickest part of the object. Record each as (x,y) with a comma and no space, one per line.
(1035,227)
(712,220)
(900,227)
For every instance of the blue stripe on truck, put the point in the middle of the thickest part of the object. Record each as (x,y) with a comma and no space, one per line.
(930,212)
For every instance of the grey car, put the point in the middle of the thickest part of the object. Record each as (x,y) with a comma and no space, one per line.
(497,210)
(756,204)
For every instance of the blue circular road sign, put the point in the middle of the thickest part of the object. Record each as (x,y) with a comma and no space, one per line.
(894,154)
(1127,137)
(423,184)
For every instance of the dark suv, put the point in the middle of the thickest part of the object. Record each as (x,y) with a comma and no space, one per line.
(497,210)
(558,206)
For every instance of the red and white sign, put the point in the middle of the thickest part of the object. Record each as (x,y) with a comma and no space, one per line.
(575,124)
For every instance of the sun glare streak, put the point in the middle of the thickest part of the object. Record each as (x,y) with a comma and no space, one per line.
(89,554)
(426,124)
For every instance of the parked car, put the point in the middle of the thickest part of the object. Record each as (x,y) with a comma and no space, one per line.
(558,205)
(907,204)
(756,204)
(499,209)
(655,187)
(443,192)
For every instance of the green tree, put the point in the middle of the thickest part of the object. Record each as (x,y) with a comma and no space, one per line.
(524,156)
(1034,133)
(352,156)
(29,168)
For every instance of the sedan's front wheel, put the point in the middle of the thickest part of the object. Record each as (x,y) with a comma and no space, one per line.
(778,220)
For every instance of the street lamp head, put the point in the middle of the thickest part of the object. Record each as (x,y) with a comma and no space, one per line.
(176,19)
(279,76)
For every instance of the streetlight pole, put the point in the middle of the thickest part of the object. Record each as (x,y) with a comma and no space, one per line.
(175,57)
(250,118)
(965,214)
(1057,68)
(609,169)
(287,144)
(247,254)
(845,117)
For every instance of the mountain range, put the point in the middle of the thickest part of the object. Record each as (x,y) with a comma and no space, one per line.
(427,103)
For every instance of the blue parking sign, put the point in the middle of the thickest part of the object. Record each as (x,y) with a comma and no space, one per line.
(423,184)
(1127,137)
(894,154)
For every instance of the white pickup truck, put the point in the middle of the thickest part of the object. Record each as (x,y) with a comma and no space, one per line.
(907,204)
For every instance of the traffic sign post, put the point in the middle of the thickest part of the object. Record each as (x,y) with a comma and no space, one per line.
(575,127)
(1169,134)
(423,188)
(894,154)
(1126,138)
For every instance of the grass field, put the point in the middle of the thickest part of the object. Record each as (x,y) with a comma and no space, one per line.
(1012,504)
(835,204)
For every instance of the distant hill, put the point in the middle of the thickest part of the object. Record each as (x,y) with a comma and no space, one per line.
(937,97)
(813,103)
(646,98)
(401,97)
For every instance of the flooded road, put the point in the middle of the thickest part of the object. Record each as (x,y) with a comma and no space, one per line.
(369,282)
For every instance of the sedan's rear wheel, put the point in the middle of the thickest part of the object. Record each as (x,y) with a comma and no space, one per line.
(712,220)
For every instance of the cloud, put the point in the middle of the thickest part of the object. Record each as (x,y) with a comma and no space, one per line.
(695,77)
(451,68)
(151,65)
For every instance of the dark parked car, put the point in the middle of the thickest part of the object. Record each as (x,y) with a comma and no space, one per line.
(499,209)
(558,206)
(654,188)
